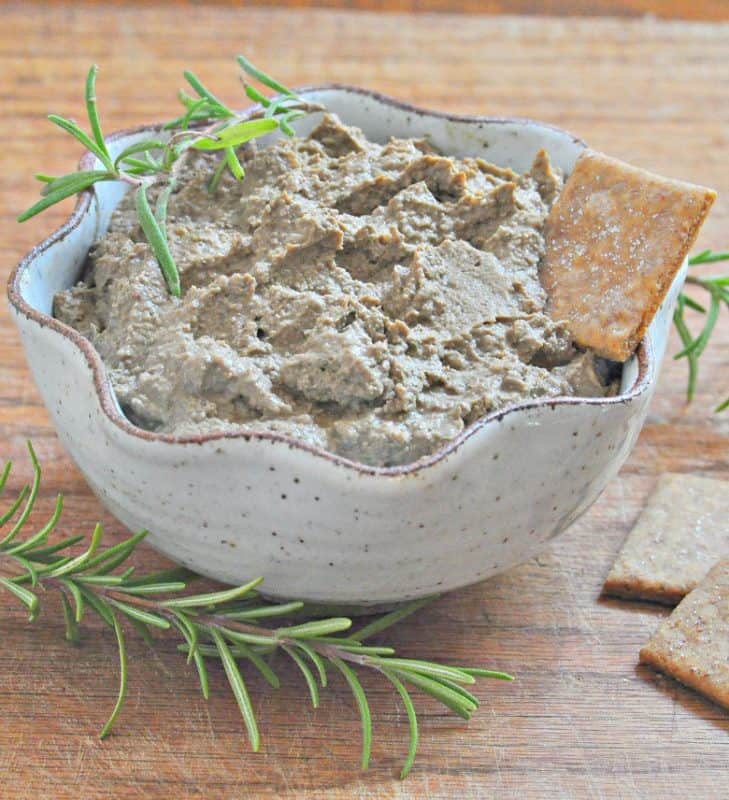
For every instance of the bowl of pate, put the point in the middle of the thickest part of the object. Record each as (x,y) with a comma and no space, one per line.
(360,394)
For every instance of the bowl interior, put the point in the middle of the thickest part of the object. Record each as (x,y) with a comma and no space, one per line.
(506,142)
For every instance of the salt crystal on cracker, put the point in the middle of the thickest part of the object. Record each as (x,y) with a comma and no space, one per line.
(615,239)
(692,645)
(682,531)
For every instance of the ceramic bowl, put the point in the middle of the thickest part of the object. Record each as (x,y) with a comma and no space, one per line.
(316,526)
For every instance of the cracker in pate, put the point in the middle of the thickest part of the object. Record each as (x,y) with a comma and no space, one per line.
(615,239)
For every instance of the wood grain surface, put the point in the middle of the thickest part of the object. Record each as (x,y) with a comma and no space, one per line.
(582,720)
(660,9)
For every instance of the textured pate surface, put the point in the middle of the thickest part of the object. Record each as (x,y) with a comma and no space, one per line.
(370,299)
(692,645)
(680,534)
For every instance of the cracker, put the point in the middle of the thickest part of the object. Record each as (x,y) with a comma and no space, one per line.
(692,645)
(615,239)
(682,531)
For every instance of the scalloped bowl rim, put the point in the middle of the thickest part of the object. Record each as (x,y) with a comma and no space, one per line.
(105,392)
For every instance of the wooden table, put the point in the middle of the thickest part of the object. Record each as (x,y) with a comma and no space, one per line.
(582,720)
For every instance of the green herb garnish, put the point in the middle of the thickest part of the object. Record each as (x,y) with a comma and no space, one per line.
(231,626)
(152,163)
(718,291)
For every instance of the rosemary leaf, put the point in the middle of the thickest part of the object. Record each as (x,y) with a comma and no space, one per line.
(262,77)
(264,638)
(179,574)
(698,345)
(28,598)
(686,338)
(239,689)
(101,580)
(236,135)
(245,651)
(350,646)
(693,347)
(42,554)
(83,178)
(363,706)
(156,588)
(42,535)
(412,721)
(316,660)
(93,115)
(691,303)
(71,127)
(78,563)
(10,513)
(138,166)
(266,611)
(186,99)
(214,598)
(104,564)
(234,165)
(426,668)
(98,605)
(217,175)
(160,209)
(5,474)
(197,111)
(123,677)
(158,242)
(453,700)
(306,672)
(256,96)
(15,530)
(73,633)
(109,553)
(143,616)
(477,672)
(286,128)
(68,189)
(78,598)
(388,620)
(31,571)
(142,630)
(708,257)
(189,632)
(205,93)
(138,147)
(471,699)
(321,627)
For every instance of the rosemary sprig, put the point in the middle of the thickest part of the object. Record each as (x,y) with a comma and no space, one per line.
(717,288)
(226,625)
(153,162)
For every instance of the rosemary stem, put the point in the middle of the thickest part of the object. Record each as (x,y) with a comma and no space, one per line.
(217,621)
(221,623)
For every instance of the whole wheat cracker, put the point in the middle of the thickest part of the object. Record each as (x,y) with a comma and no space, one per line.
(692,645)
(615,239)
(682,531)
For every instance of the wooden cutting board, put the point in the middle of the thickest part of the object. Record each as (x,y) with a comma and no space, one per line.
(582,720)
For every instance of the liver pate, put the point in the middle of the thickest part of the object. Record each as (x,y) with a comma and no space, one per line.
(368,299)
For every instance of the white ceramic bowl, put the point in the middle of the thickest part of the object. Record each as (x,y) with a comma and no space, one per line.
(319,527)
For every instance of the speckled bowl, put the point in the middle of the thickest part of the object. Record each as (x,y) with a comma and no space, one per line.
(317,526)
